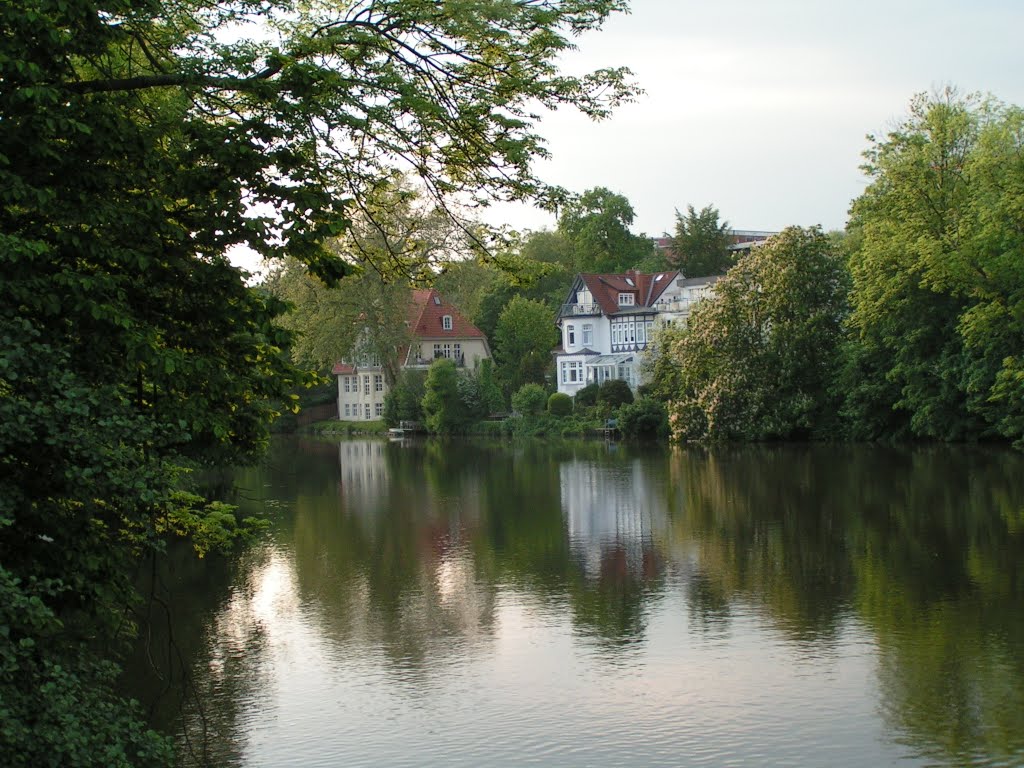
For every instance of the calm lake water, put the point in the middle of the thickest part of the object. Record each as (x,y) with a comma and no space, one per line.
(488,604)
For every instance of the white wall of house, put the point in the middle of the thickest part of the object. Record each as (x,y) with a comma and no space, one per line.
(361,395)
(622,335)
(571,371)
(586,332)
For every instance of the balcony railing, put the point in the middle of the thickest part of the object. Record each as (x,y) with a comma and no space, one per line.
(425,362)
(581,309)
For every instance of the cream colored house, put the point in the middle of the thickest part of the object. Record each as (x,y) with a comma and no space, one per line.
(437,330)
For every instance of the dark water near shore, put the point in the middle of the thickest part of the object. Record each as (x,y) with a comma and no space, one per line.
(487,604)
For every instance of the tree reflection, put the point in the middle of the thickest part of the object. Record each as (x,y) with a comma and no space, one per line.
(920,544)
(407,550)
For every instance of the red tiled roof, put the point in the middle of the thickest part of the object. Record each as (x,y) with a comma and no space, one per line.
(646,288)
(426,313)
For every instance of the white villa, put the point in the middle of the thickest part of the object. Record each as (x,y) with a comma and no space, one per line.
(437,329)
(607,321)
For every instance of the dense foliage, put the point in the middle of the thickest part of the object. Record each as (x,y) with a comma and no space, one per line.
(937,326)
(645,417)
(700,245)
(139,141)
(596,226)
(758,360)
(559,404)
(614,392)
(523,340)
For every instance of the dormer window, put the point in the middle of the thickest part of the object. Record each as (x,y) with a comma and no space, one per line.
(446,322)
(626,300)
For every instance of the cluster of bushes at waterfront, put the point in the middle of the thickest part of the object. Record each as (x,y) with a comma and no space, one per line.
(596,410)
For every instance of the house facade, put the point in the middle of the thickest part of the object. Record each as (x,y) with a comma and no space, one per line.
(436,329)
(607,323)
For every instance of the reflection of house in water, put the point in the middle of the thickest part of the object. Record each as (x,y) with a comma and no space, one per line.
(610,513)
(364,471)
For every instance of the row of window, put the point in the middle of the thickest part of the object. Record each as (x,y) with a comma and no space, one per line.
(588,335)
(351,383)
(352,411)
(572,372)
(448,350)
(632,331)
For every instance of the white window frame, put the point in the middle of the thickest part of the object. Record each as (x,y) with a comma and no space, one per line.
(570,335)
(378,382)
(588,334)
(366,411)
(366,384)
(446,322)
(626,299)
(348,410)
(378,409)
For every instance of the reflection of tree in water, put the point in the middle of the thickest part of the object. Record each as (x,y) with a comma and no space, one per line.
(939,560)
(613,607)
(924,546)
(194,680)
(405,548)
(767,533)
(385,560)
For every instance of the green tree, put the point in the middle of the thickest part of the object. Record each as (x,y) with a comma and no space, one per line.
(700,246)
(644,418)
(614,392)
(758,359)
(523,340)
(938,288)
(559,404)
(465,282)
(404,401)
(362,316)
(596,226)
(529,399)
(139,142)
(443,409)
(490,392)
(587,396)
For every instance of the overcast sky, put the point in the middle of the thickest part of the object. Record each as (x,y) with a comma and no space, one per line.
(761,107)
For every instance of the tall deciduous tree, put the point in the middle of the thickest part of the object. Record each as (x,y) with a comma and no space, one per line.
(523,340)
(938,287)
(700,246)
(597,227)
(139,141)
(443,407)
(758,359)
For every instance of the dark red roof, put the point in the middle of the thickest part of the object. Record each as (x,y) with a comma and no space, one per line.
(646,288)
(426,318)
